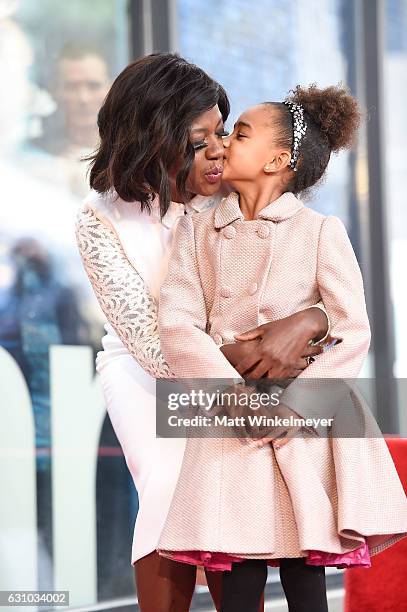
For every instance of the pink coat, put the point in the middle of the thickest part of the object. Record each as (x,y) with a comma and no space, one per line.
(227,275)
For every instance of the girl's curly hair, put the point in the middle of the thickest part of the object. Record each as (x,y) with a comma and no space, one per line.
(332,116)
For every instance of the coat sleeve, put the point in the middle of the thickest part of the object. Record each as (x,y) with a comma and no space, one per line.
(121,292)
(189,350)
(341,289)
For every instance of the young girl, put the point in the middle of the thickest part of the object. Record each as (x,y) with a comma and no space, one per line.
(259,256)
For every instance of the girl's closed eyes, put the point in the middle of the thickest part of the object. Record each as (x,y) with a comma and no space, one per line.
(239,135)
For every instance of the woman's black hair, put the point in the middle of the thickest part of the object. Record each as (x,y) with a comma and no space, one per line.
(144,127)
(332,116)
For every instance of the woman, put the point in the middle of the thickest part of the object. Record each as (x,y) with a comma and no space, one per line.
(160,156)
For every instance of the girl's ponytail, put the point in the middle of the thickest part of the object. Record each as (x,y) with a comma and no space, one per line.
(333,110)
(332,118)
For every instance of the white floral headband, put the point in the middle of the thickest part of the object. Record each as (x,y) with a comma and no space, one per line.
(299,129)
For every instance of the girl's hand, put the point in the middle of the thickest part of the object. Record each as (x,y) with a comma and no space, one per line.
(283,345)
(280,436)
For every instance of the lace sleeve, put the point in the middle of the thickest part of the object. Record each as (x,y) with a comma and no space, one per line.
(121,292)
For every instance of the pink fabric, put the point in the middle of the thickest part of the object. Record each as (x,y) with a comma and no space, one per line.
(220,281)
(355,558)
(228,275)
(217,561)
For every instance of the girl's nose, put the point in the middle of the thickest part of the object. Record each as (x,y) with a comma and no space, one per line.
(226,141)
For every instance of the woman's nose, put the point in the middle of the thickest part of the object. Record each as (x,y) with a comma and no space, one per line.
(215,151)
(226,141)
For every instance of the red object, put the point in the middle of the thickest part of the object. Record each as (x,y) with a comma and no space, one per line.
(383,587)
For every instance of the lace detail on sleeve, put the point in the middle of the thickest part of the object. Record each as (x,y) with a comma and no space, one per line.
(121,292)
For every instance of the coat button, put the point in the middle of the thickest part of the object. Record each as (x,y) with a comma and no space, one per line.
(263,231)
(225,292)
(252,289)
(229,231)
(217,338)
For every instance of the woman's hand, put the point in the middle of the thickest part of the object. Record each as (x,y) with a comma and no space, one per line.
(283,345)
(238,351)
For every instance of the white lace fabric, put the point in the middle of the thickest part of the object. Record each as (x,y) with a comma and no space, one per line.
(121,292)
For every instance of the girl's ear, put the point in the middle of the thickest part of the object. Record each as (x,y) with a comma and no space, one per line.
(280,161)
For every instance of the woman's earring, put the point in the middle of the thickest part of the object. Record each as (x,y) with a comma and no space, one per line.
(267,168)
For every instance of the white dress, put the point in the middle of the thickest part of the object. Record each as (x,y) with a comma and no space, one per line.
(125,253)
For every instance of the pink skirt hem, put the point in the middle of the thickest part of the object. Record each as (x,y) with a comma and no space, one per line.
(218,561)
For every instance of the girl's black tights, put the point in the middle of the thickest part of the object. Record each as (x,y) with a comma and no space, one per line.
(243,585)
(304,586)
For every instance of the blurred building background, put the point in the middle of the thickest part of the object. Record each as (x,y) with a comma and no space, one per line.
(69,503)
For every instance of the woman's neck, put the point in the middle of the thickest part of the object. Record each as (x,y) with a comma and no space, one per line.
(252,199)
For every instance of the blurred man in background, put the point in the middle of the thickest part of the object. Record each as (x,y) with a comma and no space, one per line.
(79,85)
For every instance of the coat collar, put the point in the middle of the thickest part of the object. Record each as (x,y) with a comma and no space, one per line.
(197,204)
(283,208)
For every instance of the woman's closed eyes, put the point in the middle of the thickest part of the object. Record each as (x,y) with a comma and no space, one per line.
(201,144)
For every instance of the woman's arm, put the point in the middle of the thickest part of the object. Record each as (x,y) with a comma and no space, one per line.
(121,292)
(280,347)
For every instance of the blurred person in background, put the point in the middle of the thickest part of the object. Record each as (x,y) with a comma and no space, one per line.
(36,312)
(45,298)
(80,82)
